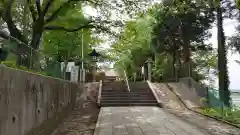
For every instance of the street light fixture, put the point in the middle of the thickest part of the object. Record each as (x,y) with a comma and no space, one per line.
(94,54)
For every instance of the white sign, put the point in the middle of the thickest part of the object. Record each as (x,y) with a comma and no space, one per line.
(74,73)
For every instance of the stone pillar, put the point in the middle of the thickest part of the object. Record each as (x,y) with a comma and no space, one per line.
(149,62)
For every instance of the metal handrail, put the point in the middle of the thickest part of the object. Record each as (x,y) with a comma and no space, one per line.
(126,79)
(99,92)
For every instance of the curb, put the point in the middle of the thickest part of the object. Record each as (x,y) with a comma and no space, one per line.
(159,102)
(208,116)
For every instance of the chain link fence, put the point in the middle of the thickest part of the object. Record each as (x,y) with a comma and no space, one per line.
(48,62)
(22,56)
(217,108)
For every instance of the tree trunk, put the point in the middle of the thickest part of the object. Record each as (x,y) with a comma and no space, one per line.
(35,42)
(222,61)
(173,59)
(186,52)
(178,57)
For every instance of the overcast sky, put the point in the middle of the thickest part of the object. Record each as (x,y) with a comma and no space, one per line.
(233,67)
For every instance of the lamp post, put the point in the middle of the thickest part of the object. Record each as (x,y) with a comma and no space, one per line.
(82,70)
(94,56)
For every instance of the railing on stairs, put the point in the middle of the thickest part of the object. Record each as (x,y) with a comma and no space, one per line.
(99,92)
(126,80)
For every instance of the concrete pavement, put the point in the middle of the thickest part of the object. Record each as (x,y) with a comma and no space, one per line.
(142,121)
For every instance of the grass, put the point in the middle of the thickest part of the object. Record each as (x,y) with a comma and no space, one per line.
(231,115)
(12,64)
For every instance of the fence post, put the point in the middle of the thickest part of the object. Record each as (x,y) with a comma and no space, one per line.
(222,110)
(207,97)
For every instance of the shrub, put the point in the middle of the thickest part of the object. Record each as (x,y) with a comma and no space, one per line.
(203,101)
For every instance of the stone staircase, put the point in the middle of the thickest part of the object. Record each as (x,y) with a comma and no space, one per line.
(117,94)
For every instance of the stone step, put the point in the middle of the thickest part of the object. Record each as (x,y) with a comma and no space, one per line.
(125,98)
(113,90)
(117,94)
(126,91)
(128,104)
(120,92)
(125,95)
(117,91)
(148,97)
(128,101)
(138,84)
(140,89)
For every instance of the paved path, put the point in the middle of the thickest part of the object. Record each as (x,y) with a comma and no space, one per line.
(141,121)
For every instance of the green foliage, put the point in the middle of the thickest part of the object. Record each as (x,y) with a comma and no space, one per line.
(152,35)
(181,22)
(67,45)
(12,64)
(27,20)
(229,114)
(162,67)
(133,48)
(238,3)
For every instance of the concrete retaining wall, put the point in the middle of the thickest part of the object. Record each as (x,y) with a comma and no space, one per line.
(31,104)
(194,86)
(190,91)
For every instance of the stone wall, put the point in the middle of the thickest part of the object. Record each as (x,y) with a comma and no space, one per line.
(31,104)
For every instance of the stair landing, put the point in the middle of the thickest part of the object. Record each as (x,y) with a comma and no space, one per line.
(142,121)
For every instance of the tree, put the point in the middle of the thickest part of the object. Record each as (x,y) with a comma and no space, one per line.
(222,59)
(69,49)
(235,39)
(133,47)
(181,24)
(48,14)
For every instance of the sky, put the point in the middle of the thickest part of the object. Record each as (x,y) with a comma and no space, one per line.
(233,67)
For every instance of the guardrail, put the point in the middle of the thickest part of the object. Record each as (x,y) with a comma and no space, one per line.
(126,79)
